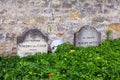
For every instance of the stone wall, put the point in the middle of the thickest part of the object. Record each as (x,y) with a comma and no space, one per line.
(56,18)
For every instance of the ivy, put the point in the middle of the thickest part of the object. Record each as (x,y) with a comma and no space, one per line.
(67,63)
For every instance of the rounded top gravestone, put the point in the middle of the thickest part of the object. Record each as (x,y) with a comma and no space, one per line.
(31,42)
(87,36)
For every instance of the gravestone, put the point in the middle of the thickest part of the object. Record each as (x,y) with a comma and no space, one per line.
(55,44)
(87,36)
(31,42)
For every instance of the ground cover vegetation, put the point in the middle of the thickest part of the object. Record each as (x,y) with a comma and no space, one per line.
(67,63)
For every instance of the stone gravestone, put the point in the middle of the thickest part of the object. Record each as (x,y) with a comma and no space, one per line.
(87,36)
(31,42)
(54,44)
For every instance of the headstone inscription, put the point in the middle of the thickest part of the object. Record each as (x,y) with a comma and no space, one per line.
(87,36)
(31,42)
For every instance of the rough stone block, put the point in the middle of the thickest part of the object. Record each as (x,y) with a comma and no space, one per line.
(115,27)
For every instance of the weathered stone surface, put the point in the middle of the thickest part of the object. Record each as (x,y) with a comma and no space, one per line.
(115,34)
(115,30)
(10,37)
(61,18)
(87,36)
(115,27)
(1,21)
(74,15)
(2,36)
(98,20)
(31,42)
(102,28)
